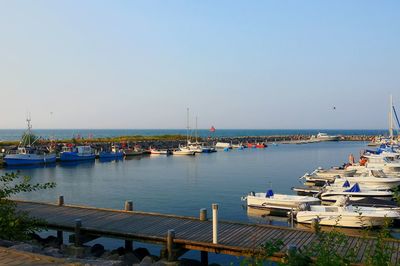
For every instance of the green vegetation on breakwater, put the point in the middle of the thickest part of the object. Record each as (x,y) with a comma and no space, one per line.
(134,138)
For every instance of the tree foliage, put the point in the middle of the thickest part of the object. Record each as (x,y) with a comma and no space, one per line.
(14,224)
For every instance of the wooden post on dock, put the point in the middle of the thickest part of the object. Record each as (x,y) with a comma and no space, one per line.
(129,208)
(78,225)
(215,223)
(170,244)
(60,201)
(203,254)
(203,214)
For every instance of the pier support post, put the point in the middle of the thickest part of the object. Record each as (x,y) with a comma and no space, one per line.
(129,208)
(60,237)
(315,225)
(215,223)
(203,214)
(291,218)
(78,225)
(170,244)
(204,258)
(60,201)
(128,205)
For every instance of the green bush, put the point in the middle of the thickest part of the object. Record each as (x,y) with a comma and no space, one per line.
(14,224)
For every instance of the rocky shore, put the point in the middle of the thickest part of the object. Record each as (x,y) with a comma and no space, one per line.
(93,255)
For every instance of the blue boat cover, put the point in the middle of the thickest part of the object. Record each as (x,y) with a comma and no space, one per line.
(346,184)
(270,193)
(354,188)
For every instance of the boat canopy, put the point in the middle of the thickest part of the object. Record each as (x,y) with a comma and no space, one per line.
(346,184)
(269,193)
(354,188)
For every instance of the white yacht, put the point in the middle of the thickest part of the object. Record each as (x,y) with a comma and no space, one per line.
(324,137)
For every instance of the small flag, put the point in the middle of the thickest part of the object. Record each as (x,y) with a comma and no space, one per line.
(212,129)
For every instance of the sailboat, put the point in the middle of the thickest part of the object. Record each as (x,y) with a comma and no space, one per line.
(185,150)
(27,153)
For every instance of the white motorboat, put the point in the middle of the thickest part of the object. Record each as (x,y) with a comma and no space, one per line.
(183,151)
(223,145)
(269,200)
(375,179)
(324,137)
(387,162)
(159,152)
(346,216)
(332,193)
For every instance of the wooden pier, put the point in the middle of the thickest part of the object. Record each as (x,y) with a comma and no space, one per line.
(178,233)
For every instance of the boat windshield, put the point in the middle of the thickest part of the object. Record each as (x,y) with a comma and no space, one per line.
(378,173)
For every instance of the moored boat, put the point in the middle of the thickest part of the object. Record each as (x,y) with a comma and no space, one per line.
(345,215)
(78,153)
(269,200)
(27,153)
(355,193)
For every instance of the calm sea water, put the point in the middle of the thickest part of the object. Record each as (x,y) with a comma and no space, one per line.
(15,134)
(183,185)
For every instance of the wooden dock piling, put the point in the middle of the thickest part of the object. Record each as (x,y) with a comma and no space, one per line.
(128,208)
(78,225)
(170,244)
(203,214)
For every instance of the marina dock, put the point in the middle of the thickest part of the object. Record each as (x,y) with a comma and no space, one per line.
(178,234)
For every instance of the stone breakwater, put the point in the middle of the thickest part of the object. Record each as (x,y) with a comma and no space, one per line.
(172,144)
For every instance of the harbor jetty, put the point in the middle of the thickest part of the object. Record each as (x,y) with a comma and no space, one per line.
(179,234)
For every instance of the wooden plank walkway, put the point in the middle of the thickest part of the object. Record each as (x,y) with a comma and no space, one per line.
(234,238)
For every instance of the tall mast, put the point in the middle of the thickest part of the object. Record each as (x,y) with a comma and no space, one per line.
(28,131)
(187,126)
(391,118)
(196,130)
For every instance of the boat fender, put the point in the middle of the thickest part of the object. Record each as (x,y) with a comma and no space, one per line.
(269,193)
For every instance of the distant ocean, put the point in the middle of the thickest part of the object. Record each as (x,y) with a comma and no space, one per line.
(15,134)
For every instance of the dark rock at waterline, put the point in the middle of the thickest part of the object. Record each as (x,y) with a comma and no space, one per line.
(27,248)
(189,262)
(7,243)
(97,250)
(120,251)
(53,252)
(50,241)
(141,253)
(129,258)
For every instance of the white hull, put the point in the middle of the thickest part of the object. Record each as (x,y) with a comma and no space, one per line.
(348,216)
(338,219)
(333,197)
(279,200)
(183,153)
(370,182)
(223,145)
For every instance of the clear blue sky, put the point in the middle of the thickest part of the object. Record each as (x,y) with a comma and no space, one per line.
(236,64)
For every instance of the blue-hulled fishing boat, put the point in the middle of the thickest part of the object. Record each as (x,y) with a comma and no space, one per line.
(78,153)
(115,153)
(27,153)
